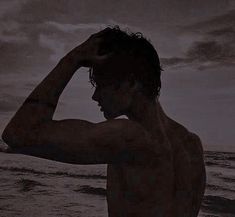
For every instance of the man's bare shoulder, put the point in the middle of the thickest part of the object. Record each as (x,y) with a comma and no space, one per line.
(122,130)
(86,128)
(82,142)
(181,137)
(131,127)
(118,132)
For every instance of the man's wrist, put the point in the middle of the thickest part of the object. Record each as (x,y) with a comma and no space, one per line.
(70,61)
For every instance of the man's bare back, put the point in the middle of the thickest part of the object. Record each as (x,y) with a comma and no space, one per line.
(155,166)
(143,190)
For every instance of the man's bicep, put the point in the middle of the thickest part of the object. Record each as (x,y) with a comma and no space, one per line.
(81,142)
(54,140)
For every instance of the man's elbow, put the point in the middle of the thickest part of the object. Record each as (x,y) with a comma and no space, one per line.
(7,135)
(13,137)
(8,138)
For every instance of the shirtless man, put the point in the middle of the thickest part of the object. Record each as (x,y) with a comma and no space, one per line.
(155,165)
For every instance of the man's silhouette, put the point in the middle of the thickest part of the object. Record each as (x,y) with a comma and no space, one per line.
(155,165)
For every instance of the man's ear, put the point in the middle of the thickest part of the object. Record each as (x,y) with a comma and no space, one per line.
(135,85)
(132,80)
(131,84)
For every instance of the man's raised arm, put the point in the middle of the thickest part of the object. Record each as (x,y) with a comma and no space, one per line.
(33,132)
(40,105)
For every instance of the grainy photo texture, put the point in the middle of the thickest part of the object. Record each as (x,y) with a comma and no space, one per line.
(117,108)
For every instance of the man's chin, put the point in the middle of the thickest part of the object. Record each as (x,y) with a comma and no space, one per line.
(110,116)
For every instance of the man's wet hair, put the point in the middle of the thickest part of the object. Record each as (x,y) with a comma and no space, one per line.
(137,47)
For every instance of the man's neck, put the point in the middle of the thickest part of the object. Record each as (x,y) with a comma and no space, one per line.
(149,114)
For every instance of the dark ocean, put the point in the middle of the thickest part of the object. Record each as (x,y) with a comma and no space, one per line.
(33,187)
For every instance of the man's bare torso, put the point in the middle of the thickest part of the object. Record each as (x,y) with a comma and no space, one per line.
(154,168)
(134,190)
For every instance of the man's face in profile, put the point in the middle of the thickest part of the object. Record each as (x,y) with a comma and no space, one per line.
(112,92)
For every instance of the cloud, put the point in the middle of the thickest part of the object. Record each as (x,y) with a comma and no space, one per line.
(9,103)
(7,106)
(152,14)
(20,49)
(211,51)
(41,30)
(204,53)
(213,45)
(175,61)
(66,27)
(12,6)
(10,32)
(227,32)
(22,57)
(57,48)
(63,11)
(226,20)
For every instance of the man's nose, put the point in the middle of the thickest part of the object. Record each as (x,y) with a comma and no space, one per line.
(95,96)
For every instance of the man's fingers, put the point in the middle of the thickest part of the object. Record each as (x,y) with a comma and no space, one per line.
(101,59)
(89,52)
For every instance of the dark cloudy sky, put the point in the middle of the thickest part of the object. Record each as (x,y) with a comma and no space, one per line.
(195,40)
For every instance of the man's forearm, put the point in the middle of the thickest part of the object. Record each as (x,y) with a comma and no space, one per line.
(40,105)
(50,89)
